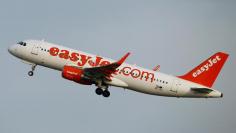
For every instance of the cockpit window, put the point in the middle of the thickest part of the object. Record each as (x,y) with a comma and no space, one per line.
(22,43)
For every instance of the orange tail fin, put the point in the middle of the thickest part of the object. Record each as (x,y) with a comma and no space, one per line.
(207,72)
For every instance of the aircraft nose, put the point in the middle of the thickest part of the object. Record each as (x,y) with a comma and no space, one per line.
(12,49)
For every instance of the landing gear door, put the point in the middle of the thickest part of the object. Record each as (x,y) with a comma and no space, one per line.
(35,49)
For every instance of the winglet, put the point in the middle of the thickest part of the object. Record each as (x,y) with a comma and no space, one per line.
(157,68)
(122,60)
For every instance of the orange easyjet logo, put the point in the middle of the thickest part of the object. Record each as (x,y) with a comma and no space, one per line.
(82,59)
(207,66)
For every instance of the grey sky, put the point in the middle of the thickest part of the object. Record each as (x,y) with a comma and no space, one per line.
(178,35)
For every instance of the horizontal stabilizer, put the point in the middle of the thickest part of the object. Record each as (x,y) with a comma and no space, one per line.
(202,90)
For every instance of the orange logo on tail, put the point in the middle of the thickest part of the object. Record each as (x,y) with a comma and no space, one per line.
(207,72)
(207,66)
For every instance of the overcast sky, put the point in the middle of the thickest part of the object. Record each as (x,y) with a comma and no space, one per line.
(177,34)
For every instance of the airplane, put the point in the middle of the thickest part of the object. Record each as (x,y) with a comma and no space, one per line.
(88,69)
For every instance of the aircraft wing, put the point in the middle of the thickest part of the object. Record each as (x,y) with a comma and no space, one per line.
(202,90)
(104,72)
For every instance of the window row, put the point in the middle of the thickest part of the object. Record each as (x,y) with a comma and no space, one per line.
(162,81)
(42,49)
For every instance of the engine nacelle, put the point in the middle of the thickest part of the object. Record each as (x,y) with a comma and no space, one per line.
(76,75)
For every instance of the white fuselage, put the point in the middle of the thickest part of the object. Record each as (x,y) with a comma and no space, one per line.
(127,76)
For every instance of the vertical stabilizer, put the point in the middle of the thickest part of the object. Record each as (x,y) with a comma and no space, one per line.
(207,72)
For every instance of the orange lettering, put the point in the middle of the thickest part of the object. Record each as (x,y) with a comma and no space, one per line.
(104,63)
(84,60)
(96,63)
(64,54)
(54,51)
(74,57)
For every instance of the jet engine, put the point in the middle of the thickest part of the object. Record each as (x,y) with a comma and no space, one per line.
(76,75)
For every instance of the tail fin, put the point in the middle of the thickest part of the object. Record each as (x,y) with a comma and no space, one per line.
(207,72)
